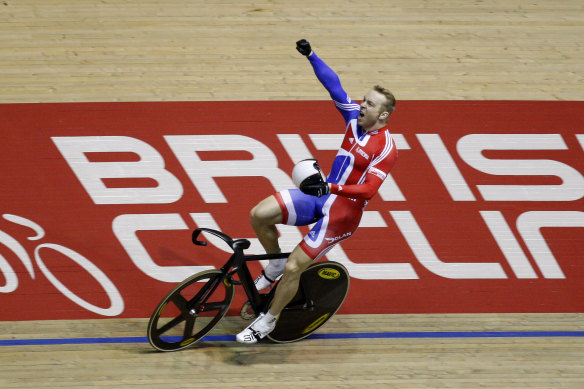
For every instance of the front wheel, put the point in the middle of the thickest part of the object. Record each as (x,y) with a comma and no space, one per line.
(322,291)
(190,310)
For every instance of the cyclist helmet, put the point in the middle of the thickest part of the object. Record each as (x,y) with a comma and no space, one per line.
(307,172)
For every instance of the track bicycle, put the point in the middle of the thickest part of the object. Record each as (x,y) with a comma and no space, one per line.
(194,306)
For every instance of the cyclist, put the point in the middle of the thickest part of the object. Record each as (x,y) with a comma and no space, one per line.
(363,161)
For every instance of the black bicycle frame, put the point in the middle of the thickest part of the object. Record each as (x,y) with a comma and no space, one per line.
(237,265)
(259,302)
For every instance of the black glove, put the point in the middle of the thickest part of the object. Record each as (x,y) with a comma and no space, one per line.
(319,189)
(303,47)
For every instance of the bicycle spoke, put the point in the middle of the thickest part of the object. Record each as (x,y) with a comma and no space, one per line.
(189,325)
(216,306)
(180,302)
(173,323)
(207,290)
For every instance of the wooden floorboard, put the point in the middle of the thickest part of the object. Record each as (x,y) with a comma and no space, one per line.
(145,50)
(457,362)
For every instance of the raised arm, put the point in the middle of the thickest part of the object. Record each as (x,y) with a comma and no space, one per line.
(330,80)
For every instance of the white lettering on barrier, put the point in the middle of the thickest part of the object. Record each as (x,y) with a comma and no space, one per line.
(508,244)
(90,174)
(125,228)
(289,239)
(373,271)
(263,164)
(372,219)
(295,147)
(427,257)
(445,167)
(470,149)
(529,225)
(580,138)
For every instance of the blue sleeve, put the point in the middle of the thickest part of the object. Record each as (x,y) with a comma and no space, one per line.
(330,80)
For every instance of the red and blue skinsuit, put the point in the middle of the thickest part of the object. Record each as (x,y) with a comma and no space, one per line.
(360,166)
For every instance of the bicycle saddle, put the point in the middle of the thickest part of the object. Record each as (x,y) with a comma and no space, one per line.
(242,244)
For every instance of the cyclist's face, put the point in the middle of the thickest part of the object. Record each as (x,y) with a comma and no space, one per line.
(371,109)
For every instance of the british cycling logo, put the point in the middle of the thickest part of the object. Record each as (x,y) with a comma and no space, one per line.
(38,233)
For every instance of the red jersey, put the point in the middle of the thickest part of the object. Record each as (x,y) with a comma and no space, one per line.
(362,162)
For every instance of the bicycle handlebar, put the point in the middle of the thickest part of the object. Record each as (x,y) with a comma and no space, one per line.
(238,244)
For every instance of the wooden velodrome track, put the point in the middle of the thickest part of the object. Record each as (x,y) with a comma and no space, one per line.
(141,50)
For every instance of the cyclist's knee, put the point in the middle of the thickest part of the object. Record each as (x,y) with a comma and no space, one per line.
(266,212)
(292,268)
(297,263)
(255,215)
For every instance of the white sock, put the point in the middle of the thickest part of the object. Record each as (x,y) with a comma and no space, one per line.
(268,317)
(275,268)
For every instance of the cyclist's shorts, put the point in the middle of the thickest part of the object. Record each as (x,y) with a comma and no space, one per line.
(336,219)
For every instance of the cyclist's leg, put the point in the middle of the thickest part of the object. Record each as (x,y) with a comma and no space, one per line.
(288,285)
(340,219)
(290,207)
(322,290)
(263,219)
(287,288)
(295,208)
(338,223)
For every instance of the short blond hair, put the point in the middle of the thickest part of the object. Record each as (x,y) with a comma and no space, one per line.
(389,104)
